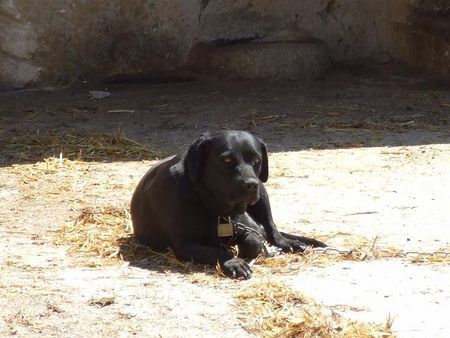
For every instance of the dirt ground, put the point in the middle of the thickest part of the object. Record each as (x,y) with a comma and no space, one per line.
(361,154)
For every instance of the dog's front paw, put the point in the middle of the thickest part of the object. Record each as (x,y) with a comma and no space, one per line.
(236,268)
(290,245)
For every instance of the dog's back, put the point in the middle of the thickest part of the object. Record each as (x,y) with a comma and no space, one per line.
(147,200)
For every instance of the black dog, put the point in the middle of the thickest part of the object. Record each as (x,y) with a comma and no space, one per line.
(180,203)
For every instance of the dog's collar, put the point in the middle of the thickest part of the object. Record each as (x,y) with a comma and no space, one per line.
(228,230)
(226,227)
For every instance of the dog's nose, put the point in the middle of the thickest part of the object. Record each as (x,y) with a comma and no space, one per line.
(251,185)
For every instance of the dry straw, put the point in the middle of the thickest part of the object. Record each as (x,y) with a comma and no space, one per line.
(266,308)
(97,232)
(107,233)
(271,309)
(35,146)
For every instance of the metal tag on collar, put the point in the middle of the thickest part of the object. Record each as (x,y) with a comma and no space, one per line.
(224,227)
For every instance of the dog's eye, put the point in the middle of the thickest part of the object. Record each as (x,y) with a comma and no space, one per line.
(227,159)
(256,160)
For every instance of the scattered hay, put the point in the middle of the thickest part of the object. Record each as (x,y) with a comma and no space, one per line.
(362,250)
(107,233)
(102,301)
(271,309)
(258,119)
(97,232)
(292,263)
(47,178)
(438,257)
(56,180)
(32,146)
(398,125)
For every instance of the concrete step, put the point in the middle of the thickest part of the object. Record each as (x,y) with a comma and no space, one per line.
(271,60)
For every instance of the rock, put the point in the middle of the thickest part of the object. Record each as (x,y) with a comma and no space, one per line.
(99,94)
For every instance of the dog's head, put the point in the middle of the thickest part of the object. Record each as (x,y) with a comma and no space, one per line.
(229,166)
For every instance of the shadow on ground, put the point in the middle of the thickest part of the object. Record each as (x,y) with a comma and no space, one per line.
(353,107)
(142,257)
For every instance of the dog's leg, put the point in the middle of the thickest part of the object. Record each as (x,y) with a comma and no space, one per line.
(250,242)
(231,266)
(308,241)
(250,246)
(261,213)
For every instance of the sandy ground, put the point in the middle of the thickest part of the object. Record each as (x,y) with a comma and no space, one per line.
(362,154)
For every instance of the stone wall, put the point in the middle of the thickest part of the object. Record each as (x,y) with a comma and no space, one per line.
(57,42)
(418,32)
(351,29)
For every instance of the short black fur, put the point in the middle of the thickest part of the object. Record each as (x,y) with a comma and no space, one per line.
(177,203)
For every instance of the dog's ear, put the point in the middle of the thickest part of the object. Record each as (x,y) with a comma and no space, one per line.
(264,174)
(194,159)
